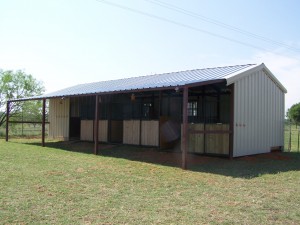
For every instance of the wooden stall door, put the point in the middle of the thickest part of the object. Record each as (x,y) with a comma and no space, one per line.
(217,143)
(131,132)
(75,127)
(169,132)
(116,131)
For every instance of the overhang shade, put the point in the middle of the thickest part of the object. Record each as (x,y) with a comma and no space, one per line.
(165,80)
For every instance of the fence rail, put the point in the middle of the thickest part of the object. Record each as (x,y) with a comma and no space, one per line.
(292,138)
(291,133)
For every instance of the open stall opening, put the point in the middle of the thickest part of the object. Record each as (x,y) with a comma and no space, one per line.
(154,118)
(209,113)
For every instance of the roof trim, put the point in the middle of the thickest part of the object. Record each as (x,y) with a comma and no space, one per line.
(189,85)
(232,78)
(160,82)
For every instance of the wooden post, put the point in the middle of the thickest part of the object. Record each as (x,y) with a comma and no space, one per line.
(96,125)
(43,122)
(7,119)
(184,144)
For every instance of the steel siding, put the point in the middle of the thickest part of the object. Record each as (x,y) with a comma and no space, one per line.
(59,111)
(259,114)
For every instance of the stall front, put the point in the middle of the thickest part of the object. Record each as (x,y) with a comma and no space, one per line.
(215,111)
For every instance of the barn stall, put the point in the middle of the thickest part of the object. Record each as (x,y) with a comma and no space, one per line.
(228,111)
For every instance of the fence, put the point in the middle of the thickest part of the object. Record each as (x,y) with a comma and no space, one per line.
(292,138)
(291,134)
(25,130)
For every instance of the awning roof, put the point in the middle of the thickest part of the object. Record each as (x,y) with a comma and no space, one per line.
(156,81)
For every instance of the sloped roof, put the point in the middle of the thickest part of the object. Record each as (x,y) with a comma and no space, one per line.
(232,78)
(165,80)
(149,82)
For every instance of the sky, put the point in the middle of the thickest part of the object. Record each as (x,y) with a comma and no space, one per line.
(67,42)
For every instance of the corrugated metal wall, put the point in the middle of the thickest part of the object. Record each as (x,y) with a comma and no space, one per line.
(258,114)
(59,118)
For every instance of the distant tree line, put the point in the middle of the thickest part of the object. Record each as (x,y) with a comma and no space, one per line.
(15,85)
(293,114)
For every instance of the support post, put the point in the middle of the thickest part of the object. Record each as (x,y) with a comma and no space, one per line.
(218,107)
(159,117)
(231,124)
(7,119)
(184,144)
(159,103)
(43,122)
(204,117)
(96,125)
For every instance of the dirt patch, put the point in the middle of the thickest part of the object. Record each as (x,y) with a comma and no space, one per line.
(271,155)
(248,158)
(274,155)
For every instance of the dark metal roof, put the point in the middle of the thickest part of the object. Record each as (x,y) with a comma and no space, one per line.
(149,82)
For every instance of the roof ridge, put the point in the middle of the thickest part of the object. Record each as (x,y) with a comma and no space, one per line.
(157,80)
(159,74)
(207,68)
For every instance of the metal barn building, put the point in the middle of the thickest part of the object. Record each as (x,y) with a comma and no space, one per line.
(231,111)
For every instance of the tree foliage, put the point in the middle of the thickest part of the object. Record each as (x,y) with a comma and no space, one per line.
(294,113)
(14,85)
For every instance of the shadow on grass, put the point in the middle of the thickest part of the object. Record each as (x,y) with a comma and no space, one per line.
(244,167)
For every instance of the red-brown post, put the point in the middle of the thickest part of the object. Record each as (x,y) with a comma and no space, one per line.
(96,125)
(184,140)
(43,122)
(231,124)
(7,119)
(159,117)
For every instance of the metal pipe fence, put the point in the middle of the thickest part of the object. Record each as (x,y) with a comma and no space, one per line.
(292,138)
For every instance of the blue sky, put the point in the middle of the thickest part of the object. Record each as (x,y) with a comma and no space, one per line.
(64,43)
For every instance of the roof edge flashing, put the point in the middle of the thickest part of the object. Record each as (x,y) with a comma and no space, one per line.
(241,74)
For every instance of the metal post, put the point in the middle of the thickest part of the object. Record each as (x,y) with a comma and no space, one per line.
(231,124)
(96,125)
(43,122)
(141,116)
(298,138)
(290,137)
(204,118)
(218,107)
(7,119)
(159,117)
(184,144)
(22,124)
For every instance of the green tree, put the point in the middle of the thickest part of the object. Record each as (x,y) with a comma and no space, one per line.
(14,85)
(294,113)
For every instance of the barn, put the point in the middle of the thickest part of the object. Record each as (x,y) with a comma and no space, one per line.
(227,111)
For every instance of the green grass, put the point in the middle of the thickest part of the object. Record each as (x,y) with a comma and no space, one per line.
(28,130)
(294,138)
(128,185)
(24,130)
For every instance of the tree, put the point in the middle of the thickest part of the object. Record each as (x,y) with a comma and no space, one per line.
(294,113)
(14,85)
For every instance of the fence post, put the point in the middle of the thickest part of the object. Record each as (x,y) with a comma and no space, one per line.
(43,122)
(7,119)
(298,139)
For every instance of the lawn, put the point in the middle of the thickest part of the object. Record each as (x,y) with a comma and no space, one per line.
(129,185)
(294,137)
